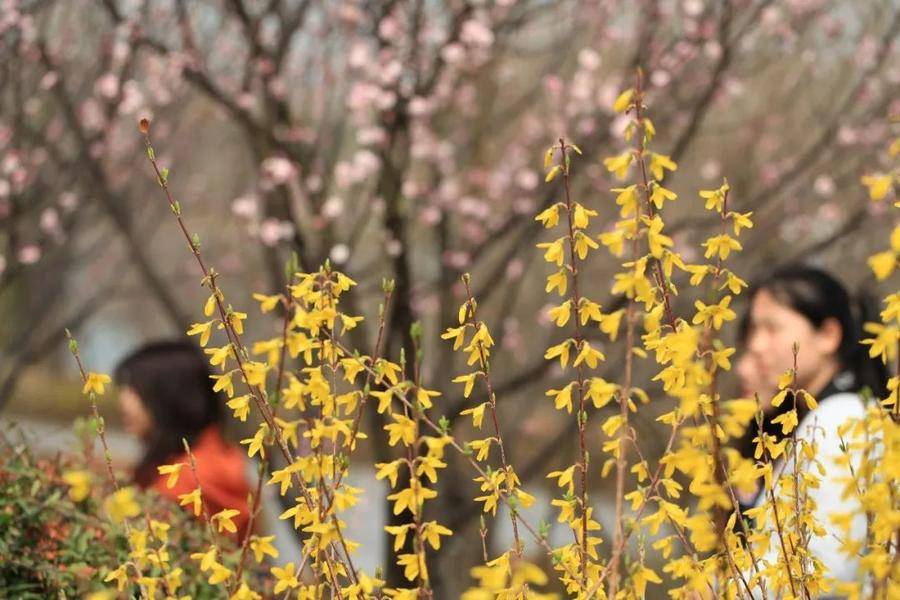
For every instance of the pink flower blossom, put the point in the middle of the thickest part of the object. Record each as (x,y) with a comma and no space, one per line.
(586,126)
(343,174)
(91,113)
(278,88)
(246,206)
(49,221)
(350,14)
(824,185)
(430,216)
(314,183)
(711,169)
(272,231)
(734,87)
(29,254)
(339,253)
(389,28)
(847,135)
(132,98)
(365,164)
(390,73)
(359,56)
(712,49)
(474,232)
(410,188)
(660,78)
(582,85)
(512,337)
(589,59)
(523,206)
(453,54)
(456,259)
(473,207)
(692,8)
(769,173)
(68,201)
(333,207)
(514,269)
(543,316)
(49,80)
(617,126)
(371,136)
(107,86)
(475,33)
(553,85)
(527,179)
(419,106)
(393,247)
(278,170)
(246,100)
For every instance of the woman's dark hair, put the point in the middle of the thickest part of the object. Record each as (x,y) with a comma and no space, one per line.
(818,296)
(173,382)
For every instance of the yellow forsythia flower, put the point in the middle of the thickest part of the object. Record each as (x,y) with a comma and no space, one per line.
(624,101)
(203,330)
(219,574)
(207,559)
(192,498)
(286,577)
(883,264)
(224,520)
(79,483)
(403,429)
(173,471)
(257,442)
(244,593)
(255,373)
(879,185)
(121,505)
(267,303)
(619,164)
(240,406)
(160,531)
(261,546)
(94,382)
(119,575)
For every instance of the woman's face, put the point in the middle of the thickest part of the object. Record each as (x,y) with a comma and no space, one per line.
(774,328)
(136,419)
(750,374)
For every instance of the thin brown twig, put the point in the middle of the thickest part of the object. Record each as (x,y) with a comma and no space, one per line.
(207,518)
(579,342)
(238,349)
(101,433)
(492,400)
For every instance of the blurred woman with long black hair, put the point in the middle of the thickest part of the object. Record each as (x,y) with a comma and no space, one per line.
(808,307)
(165,396)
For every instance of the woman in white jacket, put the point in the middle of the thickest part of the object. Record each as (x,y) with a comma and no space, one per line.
(808,307)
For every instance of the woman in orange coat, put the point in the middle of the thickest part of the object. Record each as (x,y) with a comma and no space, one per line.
(165,395)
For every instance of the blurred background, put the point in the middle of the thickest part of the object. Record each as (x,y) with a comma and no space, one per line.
(404,140)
